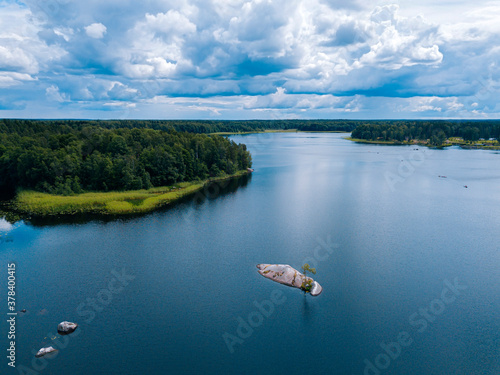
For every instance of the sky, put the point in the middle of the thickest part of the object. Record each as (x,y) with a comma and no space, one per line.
(257,59)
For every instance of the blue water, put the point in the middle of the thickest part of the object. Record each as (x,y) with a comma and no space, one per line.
(385,233)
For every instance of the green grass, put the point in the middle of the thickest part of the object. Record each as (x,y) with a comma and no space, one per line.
(482,144)
(112,203)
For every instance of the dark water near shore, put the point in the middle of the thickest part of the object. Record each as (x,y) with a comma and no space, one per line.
(387,235)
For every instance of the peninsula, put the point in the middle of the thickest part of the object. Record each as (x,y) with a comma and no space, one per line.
(68,167)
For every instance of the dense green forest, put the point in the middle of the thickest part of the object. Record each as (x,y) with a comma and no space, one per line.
(195,126)
(67,157)
(435,131)
(398,130)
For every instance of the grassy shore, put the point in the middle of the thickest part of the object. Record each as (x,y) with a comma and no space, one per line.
(378,141)
(109,203)
(481,144)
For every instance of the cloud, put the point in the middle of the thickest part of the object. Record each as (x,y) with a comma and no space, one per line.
(348,33)
(21,50)
(320,58)
(53,94)
(95,30)
(119,91)
(401,41)
(170,24)
(8,79)
(155,47)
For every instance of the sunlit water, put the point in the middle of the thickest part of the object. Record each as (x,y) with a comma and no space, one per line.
(386,234)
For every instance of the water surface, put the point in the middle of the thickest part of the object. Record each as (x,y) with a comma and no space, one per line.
(384,231)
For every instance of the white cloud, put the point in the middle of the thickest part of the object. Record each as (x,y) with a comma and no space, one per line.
(280,99)
(19,59)
(65,32)
(120,91)
(155,46)
(171,24)
(96,30)
(53,94)
(445,107)
(119,104)
(21,50)
(8,79)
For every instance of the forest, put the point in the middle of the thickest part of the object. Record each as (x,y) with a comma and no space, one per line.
(191,126)
(436,131)
(71,157)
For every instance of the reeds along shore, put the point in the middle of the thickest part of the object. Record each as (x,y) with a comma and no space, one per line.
(112,203)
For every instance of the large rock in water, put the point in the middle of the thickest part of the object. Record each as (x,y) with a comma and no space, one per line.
(45,351)
(65,328)
(286,275)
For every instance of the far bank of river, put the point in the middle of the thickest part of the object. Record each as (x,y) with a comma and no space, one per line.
(485,145)
(277,131)
(482,144)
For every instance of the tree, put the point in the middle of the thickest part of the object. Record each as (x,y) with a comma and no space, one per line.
(470,133)
(307,283)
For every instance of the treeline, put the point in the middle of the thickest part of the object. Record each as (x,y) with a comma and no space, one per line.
(435,131)
(194,126)
(66,157)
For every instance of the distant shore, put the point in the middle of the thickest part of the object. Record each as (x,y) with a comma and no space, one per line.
(278,131)
(484,145)
(108,203)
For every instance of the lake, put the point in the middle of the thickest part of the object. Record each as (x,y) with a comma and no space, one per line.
(405,241)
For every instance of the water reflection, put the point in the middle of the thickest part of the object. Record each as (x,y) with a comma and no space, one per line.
(307,310)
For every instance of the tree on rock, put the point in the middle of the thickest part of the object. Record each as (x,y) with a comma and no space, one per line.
(307,283)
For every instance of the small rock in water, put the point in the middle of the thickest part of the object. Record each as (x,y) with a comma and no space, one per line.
(65,328)
(45,351)
(286,275)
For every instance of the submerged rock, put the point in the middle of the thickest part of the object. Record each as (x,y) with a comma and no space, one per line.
(286,275)
(45,351)
(65,328)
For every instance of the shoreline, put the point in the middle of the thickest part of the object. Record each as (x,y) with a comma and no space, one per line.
(277,131)
(461,144)
(32,203)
